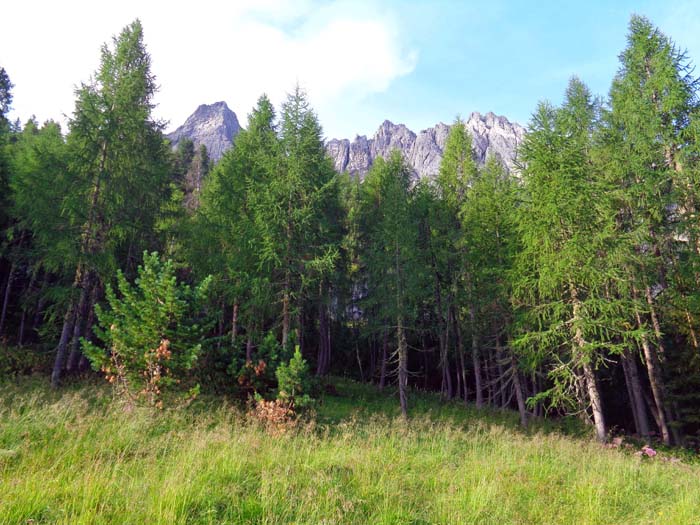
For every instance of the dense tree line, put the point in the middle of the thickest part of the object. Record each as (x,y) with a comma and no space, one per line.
(571,285)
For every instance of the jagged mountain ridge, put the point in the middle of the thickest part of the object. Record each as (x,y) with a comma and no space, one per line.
(216,126)
(213,125)
(491,135)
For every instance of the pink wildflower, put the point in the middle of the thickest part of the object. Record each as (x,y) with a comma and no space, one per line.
(648,451)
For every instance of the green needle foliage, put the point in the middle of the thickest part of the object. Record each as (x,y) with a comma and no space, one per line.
(152,330)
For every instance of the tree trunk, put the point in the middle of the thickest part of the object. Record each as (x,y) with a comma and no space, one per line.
(62,348)
(629,364)
(596,402)
(475,360)
(519,396)
(630,395)
(653,366)
(403,366)
(234,323)
(442,335)
(6,296)
(449,392)
(80,317)
(591,384)
(382,373)
(501,392)
(460,348)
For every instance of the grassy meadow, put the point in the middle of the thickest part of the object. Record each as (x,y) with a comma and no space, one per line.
(76,457)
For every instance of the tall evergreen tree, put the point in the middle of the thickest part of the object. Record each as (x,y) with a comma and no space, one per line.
(652,100)
(393,269)
(295,215)
(453,274)
(120,168)
(565,231)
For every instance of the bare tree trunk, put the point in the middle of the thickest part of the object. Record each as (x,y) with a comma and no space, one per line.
(234,323)
(403,366)
(460,348)
(382,373)
(675,434)
(448,377)
(62,348)
(657,384)
(588,373)
(630,395)
(80,315)
(596,402)
(6,296)
(519,396)
(487,378)
(475,360)
(653,409)
(500,393)
(629,364)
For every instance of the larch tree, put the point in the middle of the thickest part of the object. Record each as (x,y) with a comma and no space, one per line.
(295,214)
(120,169)
(652,100)
(560,275)
(393,269)
(453,279)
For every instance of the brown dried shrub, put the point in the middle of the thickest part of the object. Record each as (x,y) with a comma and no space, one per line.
(276,416)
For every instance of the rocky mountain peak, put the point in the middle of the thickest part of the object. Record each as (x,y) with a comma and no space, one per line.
(491,135)
(213,125)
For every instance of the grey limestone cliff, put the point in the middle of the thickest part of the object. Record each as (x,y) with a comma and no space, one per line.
(216,126)
(491,135)
(213,125)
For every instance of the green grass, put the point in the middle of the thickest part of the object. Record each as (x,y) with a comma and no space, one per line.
(76,458)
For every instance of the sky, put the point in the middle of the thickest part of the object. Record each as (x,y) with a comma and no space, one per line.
(361,62)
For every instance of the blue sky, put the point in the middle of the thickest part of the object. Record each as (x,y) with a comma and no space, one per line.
(415,62)
(505,56)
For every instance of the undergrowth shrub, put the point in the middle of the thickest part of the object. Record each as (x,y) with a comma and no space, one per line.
(275,415)
(295,383)
(24,360)
(152,331)
(257,376)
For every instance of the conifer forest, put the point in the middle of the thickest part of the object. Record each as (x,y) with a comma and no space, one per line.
(285,334)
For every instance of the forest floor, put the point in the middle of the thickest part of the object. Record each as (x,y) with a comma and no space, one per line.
(76,457)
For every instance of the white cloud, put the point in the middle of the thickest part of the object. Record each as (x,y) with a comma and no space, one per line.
(203,52)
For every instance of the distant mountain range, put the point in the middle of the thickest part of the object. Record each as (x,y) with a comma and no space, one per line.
(216,126)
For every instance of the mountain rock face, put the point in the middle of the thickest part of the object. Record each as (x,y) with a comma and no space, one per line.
(213,125)
(216,126)
(492,135)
